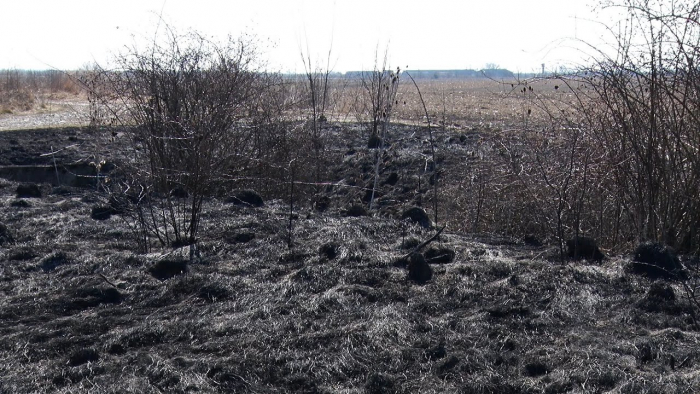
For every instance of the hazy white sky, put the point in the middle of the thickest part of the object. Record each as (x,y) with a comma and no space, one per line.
(427,34)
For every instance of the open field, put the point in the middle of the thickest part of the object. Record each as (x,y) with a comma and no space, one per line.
(458,103)
(35,99)
(60,112)
(319,299)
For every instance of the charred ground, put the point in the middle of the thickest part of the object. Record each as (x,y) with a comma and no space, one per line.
(333,312)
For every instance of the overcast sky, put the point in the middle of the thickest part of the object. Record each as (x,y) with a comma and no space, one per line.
(429,34)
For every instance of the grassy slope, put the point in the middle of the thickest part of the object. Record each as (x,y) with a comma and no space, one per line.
(259,317)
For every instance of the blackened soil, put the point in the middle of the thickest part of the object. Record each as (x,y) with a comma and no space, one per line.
(321,309)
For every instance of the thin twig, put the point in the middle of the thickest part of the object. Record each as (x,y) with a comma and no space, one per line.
(425,243)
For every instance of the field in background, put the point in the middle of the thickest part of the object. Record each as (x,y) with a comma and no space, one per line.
(30,99)
(454,103)
(458,103)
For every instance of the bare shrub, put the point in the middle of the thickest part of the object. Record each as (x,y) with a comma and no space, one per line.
(434,163)
(283,149)
(647,105)
(379,88)
(318,92)
(16,94)
(534,178)
(103,102)
(185,103)
(611,152)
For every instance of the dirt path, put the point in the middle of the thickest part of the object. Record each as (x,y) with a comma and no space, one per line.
(55,113)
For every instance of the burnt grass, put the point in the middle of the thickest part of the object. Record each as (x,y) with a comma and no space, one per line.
(81,311)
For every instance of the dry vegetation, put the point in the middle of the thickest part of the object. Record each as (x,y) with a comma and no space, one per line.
(30,99)
(335,312)
(232,230)
(24,91)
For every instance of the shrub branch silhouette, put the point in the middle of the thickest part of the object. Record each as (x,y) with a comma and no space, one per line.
(318,91)
(432,148)
(183,101)
(380,87)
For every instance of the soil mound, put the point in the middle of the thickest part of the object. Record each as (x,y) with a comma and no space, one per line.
(439,255)
(166,269)
(418,269)
(356,211)
(5,236)
(246,198)
(53,261)
(28,190)
(417,215)
(584,248)
(656,261)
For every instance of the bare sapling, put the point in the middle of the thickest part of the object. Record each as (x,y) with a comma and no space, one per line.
(318,92)
(432,147)
(380,87)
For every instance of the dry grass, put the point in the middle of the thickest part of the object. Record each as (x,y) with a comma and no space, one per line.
(80,311)
(257,317)
(462,103)
(24,92)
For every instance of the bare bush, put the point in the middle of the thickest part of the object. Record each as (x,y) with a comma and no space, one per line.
(16,92)
(611,152)
(379,88)
(318,95)
(185,103)
(534,178)
(435,172)
(648,98)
